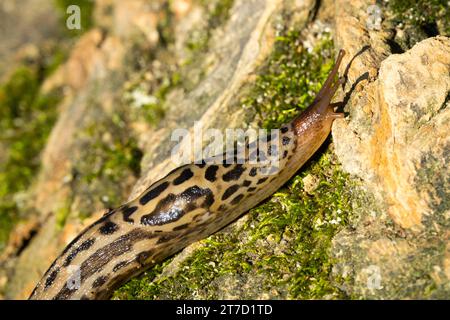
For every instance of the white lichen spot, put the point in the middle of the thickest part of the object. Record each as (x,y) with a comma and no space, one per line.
(139,98)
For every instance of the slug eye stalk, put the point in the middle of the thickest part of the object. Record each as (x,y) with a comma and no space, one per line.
(330,86)
(322,103)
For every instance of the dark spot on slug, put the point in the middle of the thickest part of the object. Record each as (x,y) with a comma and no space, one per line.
(230,191)
(198,216)
(72,243)
(286,140)
(194,192)
(285,153)
(185,175)
(120,265)
(210,173)
(246,183)
(209,200)
(66,292)
(191,206)
(252,172)
(166,211)
(143,256)
(181,227)
(234,174)
(237,199)
(99,281)
(222,207)
(127,212)
(201,165)
(153,193)
(109,228)
(262,180)
(166,238)
(51,278)
(284,129)
(163,213)
(251,189)
(84,246)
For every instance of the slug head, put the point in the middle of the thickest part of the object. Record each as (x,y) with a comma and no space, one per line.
(321,110)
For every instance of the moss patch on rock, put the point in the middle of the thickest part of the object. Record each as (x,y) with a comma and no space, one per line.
(280,249)
(161,72)
(26,118)
(430,15)
(217,12)
(415,21)
(105,167)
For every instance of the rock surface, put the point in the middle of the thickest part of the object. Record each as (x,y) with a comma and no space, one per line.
(38,23)
(396,139)
(402,155)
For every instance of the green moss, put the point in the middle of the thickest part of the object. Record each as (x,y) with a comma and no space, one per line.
(217,13)
(165,26)
(106,162)
(149,96)
(86,14)
(288,82)
(154,112)
(284,244)
(149,103)
(26,118)
(428,15)
(109,157)
(281,249)
(62,214)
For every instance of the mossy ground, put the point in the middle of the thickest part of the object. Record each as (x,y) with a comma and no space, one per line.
(217,12)
(416,20)
(430,15)
(280,249)
(26,118)
(149,95)
(107,164)
(104,168)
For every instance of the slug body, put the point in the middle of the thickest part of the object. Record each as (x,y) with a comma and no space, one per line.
(190,203)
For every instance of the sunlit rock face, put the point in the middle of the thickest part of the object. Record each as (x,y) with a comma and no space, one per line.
(402,153)
(396,140)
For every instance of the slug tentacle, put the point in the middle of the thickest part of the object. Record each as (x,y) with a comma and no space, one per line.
(330,79)
(188,204)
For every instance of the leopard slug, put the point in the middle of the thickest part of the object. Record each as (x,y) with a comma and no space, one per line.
(188,204)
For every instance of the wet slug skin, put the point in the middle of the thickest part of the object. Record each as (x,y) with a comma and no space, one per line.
(188,204)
